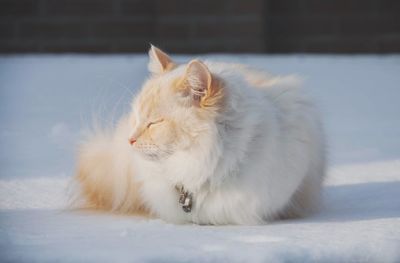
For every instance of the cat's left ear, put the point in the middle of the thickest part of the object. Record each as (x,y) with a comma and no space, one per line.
(203,88)
(159,61)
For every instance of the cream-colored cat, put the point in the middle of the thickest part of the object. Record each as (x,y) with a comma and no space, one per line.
(209,143)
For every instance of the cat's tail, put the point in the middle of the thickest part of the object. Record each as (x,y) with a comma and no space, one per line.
(105,178)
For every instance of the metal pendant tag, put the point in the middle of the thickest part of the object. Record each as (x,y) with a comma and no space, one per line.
(187,205)
(185,199)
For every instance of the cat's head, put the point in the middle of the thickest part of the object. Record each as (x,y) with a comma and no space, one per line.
(176,108)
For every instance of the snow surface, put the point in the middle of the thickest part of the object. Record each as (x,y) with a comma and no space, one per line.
(48,102)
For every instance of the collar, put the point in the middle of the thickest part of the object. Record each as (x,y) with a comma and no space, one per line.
(185,198)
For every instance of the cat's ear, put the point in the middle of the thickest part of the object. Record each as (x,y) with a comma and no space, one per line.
(198,79)
(159,61)
(204,89)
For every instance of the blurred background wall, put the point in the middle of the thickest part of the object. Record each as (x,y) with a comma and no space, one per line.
(198,26)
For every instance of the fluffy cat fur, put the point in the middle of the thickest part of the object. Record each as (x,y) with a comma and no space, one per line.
(248,145)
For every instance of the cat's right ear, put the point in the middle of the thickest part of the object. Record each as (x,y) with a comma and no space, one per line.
(203,89)
(159,62)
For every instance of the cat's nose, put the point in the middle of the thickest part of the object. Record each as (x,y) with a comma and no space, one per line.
(132,141)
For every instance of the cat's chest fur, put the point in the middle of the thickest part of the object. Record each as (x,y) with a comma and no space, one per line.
(227,204)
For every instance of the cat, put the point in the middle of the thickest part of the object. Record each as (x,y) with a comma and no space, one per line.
(209,143)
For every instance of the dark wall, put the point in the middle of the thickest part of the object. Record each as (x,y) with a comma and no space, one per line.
(333,26)
(194,26)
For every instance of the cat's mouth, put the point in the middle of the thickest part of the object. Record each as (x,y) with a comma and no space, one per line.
(154,155)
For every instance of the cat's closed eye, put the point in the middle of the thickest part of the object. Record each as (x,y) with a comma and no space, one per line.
(154,122)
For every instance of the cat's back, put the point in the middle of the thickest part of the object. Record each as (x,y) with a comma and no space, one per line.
(283,91)
(244,77)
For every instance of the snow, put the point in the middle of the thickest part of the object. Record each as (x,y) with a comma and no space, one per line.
(47,103)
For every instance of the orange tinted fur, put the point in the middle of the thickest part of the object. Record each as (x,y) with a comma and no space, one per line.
(95,175)
(214,96)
